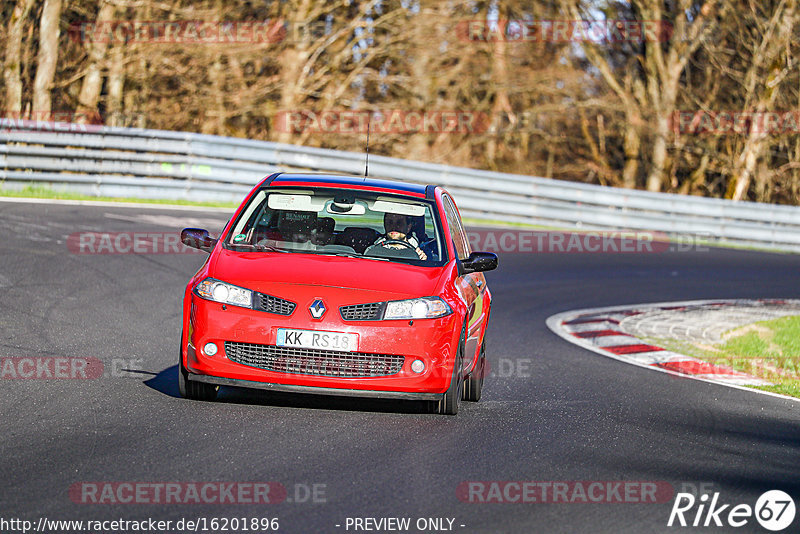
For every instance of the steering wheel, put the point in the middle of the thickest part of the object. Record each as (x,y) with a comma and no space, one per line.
(397,242)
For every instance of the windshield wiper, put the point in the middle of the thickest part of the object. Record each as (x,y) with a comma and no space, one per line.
(270,248)
(245,246)
(350,255)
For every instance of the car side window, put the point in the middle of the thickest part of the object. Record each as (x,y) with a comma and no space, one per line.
(457,232)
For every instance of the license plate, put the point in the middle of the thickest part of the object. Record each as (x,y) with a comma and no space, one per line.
(317,339)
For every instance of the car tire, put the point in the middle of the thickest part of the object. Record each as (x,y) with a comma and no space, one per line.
(473,385)
(451,399)
(192,390)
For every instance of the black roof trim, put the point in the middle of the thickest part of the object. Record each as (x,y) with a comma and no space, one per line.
(430,192)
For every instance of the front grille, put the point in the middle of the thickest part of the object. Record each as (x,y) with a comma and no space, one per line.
(362,312)
(271,304)
(313,361)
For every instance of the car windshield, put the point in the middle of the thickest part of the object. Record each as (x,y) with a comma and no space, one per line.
(340,222)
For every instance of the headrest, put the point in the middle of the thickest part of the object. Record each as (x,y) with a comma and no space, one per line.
(301,222)
(326,225)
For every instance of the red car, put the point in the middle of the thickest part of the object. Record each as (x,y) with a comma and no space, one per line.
(339,285)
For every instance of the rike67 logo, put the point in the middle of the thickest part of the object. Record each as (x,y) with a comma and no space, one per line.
(774,510)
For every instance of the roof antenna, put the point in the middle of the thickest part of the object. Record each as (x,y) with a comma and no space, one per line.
(366,163)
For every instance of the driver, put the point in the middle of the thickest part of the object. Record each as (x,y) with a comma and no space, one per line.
(397,228)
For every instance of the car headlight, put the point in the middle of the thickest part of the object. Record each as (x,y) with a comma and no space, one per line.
(421,308)
(224,293)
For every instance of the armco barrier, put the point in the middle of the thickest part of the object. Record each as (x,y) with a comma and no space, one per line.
(107,161)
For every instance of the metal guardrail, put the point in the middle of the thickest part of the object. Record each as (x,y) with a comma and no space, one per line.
(142,163)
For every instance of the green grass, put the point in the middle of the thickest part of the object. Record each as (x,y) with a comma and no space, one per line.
(40,191)
(473,222)
(767,349)
(791,389)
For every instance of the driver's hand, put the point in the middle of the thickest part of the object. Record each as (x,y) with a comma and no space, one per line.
(421,254)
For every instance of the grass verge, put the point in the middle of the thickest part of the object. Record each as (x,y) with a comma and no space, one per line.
(40,191)
(766,349)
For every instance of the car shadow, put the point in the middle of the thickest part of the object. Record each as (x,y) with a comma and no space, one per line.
(166,382)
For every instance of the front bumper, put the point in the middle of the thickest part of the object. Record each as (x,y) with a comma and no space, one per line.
(434,341)
(221,381)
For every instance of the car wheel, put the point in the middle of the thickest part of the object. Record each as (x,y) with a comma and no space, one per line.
(194,390)
(451,399)
(473,385)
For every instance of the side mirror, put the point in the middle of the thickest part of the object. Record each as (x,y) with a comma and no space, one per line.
(479,262)
(197,238)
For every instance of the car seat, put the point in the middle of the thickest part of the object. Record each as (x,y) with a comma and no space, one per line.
(357,237)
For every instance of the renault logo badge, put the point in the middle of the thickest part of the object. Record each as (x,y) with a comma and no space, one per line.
(317,309)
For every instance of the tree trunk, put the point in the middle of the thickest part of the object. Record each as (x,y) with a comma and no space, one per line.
(659,158)
(747,164)
(215,115)
(11,72)
(502,104)
(774,52)
(632,145)
(47,58)
(665,98)
(422,87)
(93,81)
(292,61)
(116,84)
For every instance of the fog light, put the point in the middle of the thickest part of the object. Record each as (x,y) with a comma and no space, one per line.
(417,366)
(210,349)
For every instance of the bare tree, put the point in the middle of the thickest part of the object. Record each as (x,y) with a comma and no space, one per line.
(662,64)
(92,81)
(770,62)
(116,86)
(664,70)
(597,112)
(13,58)
(48,56)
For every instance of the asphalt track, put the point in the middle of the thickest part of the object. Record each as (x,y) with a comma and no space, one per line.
(564,414)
